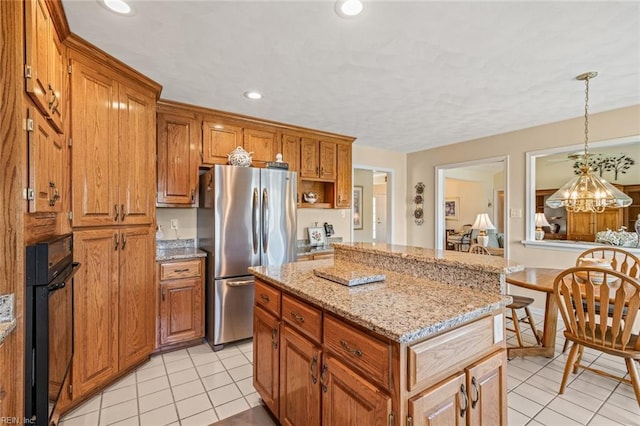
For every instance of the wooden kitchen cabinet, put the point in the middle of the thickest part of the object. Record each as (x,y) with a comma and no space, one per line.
(113,325)
(220,137)
(441,405)
(300,364)
(179,141)
(45,65)
(317,159)
(344,183)
(181,311)
(266,357)
(290,150)
(584,226)
(631,213)
(47,165)
(8,379)
(113,149)
(349,399)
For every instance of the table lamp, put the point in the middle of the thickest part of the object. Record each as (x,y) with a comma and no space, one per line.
(483,223)
(541,220)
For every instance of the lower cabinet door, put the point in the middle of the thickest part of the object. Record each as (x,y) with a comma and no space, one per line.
(350,400)
(137,295)
(445,404)
(299,380)
(266,357)
(181,311)
(487,385)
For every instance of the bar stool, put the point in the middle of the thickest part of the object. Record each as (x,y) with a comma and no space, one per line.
(522,302)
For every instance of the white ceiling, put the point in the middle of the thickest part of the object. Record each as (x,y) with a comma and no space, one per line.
(404,76)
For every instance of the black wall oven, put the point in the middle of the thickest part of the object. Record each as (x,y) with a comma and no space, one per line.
(48,324)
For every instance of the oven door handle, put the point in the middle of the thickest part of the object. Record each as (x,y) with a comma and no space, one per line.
(58,286)
(62,279)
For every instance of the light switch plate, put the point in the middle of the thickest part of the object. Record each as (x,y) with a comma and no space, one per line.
(498,328)
(515,213)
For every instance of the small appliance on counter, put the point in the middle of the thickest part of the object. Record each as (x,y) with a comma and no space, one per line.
(328,229)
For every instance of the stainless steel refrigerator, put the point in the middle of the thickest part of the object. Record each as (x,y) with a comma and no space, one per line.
(246,217)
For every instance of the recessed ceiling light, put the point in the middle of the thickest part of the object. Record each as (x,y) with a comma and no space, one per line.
(252,95)
(118,6)
(348,8)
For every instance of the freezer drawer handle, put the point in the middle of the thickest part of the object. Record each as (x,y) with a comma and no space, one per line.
(241,283)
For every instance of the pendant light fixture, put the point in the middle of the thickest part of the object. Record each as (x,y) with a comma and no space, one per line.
(587,192)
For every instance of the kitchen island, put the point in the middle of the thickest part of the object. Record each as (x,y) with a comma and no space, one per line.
(425,345)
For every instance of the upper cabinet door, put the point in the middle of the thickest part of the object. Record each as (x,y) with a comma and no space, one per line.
(178,159)
(46,166)
(218,140)
(94,152)
(343,179)
(327,160)
(261,143)
(136,152)
(309,158)
(44,63)
(38,30)
(290,150)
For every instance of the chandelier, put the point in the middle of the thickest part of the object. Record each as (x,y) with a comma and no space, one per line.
(587,192)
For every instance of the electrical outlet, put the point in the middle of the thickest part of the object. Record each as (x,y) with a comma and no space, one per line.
(174,224)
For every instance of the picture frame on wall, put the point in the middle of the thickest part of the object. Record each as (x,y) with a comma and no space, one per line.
(452,208)
(357,207)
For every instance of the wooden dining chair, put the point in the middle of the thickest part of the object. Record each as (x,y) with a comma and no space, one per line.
(619,259)
(577,290)
(519,302)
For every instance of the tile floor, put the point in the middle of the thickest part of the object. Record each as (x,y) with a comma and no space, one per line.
(197,386)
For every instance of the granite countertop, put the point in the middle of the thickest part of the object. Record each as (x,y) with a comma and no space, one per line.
(303,251)
(494,264)
(402,308)
(177,249)
(7,318)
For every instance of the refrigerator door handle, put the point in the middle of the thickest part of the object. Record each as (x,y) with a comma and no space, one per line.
(265,220)
(254,220)
(239,283)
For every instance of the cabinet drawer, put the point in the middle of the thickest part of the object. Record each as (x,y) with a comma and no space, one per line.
(370,356)
(439,357)
(305,318)
(182,269)
(267,297)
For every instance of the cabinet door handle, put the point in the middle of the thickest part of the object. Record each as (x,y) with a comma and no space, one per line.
(124,240)
(264,298)
(182,270)
(116,242)
(357,352)
(314,366)
(117,212)
(321,171)
(323,383)
(164,292)
(274,338)
(474,384)
(123,213)
(465,400)
(297,317)
(317,170)
(193,195)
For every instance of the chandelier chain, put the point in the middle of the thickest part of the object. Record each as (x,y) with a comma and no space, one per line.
(586,121)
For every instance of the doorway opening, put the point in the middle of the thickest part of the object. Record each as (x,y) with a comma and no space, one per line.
(470,189)
(372,206)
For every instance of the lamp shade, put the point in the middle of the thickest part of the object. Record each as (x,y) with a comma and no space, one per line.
(483,222)
(541,220)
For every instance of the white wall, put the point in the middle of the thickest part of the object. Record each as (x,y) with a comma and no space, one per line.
(187,222)
(396,164)
(364,178)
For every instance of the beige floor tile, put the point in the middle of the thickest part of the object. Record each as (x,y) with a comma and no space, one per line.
(175,355)
(187,390)
(241,372)
(85,419)
(516,418)
(128,380)
(253,399)
(246,386)
(573,411)
(599,420)
(183,376)
(119,395)
(204,358)
(118,412)
(231,408)
(234,361)
(205,418)
(155,361)
(193,405)
(131,421)
(523,405)
(153,385)
(619,415)
(535,394)
(224,394)
(211,368)
(178,365)
(155,400)
(160,416)
(200,349)
(216,380)
(582,399)
(89,406)
(228,352)
(150,373)
(552,418)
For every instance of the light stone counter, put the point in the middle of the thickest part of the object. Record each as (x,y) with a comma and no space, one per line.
(7,317)
(177,249)
(403,307)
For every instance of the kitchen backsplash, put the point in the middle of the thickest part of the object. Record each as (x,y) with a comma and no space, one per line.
(188,224)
